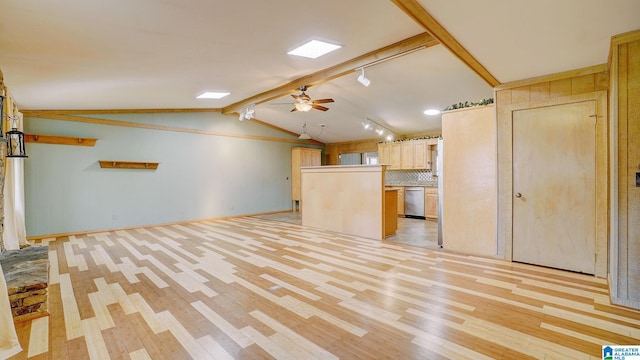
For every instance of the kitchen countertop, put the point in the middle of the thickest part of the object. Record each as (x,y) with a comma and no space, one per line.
(408,185)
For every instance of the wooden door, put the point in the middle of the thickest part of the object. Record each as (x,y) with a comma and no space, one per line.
(554,186)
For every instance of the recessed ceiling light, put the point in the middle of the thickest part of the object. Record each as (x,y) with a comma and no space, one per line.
(432,112)
(212,95)
(314,49)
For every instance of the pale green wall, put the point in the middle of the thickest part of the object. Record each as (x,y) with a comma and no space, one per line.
(199,176)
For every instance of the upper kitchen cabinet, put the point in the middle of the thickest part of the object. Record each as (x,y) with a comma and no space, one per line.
(414,154)
(405,155)
(383,154)
(395,156)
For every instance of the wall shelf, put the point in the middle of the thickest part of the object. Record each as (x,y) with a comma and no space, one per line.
(112,164)
(59,140)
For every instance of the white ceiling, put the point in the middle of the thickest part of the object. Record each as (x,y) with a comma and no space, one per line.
(155,54)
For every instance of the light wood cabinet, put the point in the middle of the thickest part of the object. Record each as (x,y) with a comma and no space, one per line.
(301,157)
(405,155)
(431,158)
(470,200)
(383,154)
(395,156)
(401,201)
(431,203)
(419,154)
(408,155)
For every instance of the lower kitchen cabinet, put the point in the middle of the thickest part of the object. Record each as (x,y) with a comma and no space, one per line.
(401,201)
(431,203)
(400,198)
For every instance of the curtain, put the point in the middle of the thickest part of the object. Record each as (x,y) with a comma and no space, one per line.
(15,233)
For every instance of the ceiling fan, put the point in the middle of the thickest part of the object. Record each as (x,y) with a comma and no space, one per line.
(304,103)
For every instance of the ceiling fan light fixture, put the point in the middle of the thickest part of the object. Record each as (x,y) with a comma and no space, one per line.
(362,79)
(303,106)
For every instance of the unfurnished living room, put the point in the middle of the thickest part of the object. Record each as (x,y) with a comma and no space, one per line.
(386,179)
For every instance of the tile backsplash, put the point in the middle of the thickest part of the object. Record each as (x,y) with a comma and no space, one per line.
(410,178)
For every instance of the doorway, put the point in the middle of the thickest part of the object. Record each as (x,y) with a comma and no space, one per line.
(554,186)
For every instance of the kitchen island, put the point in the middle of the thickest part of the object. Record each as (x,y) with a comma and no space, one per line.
(348,199)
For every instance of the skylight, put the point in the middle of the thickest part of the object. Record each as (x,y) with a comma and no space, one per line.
(314,49)
(212,95)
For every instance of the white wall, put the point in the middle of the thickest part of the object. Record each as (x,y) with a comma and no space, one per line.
(200,175)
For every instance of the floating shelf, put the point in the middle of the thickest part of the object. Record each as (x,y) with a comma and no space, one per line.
(59,140)
(111,164)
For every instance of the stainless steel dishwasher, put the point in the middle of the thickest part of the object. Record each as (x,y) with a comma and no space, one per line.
(414,201)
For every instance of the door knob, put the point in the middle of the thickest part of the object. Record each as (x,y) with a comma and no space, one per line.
(518,195)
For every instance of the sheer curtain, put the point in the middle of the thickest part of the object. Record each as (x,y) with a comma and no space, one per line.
(14,235)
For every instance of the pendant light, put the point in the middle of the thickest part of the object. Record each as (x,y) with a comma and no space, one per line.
(2,139)
(15,139)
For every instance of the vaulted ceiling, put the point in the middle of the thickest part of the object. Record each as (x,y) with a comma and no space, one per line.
(418,54)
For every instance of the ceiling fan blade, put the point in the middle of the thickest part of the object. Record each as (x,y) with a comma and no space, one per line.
(322,101)
(319,107)
(296,97)
(294,109)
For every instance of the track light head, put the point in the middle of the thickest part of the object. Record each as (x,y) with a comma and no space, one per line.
(247,112)
(362,79)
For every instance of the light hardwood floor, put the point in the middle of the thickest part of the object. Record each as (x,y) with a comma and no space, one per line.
(250,288)
(417,232)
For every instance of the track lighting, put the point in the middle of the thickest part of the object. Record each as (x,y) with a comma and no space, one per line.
(371,125)
(362,79)
(247,112)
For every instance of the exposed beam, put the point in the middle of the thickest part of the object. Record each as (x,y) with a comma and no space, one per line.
(400,48)
(429,23)
(83,119)
(120,111)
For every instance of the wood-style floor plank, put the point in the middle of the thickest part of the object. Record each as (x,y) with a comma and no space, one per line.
(250,288)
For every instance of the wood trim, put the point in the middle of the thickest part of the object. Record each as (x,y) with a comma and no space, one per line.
(59,140)
(595,69)
(413,9)
(82,119)
(625,37)
(392,51)
(121,111)
(113,164)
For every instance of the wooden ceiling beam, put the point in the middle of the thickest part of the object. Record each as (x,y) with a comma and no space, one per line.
(400,48)
(433,27)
